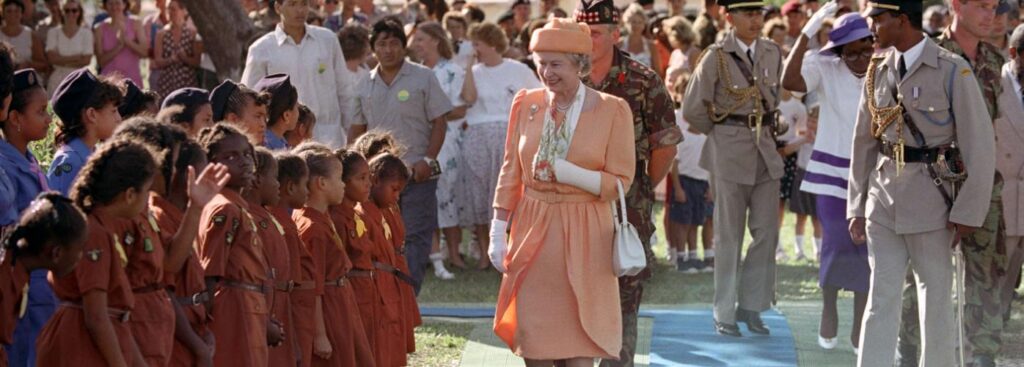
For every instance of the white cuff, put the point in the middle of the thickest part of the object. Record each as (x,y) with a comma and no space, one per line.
(568,173)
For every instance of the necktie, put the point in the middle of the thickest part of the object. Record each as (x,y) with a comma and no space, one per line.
(750,56)
(903,68)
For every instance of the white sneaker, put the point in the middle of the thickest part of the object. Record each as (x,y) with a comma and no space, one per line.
(443,274)
(827,343)
(439,270)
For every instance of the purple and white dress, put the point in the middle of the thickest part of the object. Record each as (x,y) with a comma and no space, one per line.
(843,264)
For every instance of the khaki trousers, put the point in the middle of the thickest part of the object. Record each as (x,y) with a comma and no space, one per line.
(930,257)
(750,281)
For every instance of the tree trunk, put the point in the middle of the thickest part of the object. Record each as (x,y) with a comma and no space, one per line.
(226,31)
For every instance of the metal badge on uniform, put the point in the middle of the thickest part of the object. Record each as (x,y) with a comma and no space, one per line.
(129,239)
(403,95)
(263,224)
(147,245)
(93,255)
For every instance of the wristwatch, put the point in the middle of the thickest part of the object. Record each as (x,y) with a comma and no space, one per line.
(435,168)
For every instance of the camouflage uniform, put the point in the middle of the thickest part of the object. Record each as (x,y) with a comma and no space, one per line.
(984,251)
(655,127)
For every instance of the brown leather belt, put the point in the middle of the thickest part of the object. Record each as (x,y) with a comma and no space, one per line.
(230,283)
(195,299)
(148,288)
(387,268)
(359,273)
(340,282)
(292,285)
(115,313)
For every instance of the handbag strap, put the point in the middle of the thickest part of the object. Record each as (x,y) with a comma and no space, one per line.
(620,218)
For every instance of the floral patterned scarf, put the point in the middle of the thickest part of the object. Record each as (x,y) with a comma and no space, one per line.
(554,141)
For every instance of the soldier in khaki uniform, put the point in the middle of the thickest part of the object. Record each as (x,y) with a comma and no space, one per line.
(732,97)
(921,109)
(984,251)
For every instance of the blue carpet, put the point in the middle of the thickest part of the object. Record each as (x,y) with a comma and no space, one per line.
(686,337)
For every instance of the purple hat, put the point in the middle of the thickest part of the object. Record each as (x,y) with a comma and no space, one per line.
(847,28)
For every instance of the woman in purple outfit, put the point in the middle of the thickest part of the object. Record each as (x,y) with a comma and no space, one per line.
(835,76)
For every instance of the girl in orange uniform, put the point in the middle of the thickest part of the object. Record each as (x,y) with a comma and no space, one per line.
(91,326)
(266,192)
(232,255)
(153,321)
(293,176)
(177,213)
(388,182)
(50,235)
(377,292)
(340,337)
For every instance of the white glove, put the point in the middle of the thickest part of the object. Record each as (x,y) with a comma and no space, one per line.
(499,244)
(814,24)
(568,173)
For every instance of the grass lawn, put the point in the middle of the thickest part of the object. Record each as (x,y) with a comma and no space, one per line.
(440,341)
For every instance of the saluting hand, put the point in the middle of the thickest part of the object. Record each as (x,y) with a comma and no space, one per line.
(213,178)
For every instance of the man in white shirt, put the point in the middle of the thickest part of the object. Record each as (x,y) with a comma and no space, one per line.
(312,57)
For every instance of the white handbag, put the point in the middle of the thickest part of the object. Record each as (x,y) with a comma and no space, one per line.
(628,258)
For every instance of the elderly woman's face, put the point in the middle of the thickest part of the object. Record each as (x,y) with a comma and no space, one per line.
(557,71)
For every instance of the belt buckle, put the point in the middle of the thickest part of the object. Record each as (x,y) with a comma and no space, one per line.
(753,120)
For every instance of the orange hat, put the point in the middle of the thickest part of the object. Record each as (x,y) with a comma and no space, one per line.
(562,35)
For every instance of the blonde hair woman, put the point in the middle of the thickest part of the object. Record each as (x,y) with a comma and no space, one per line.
(567,147)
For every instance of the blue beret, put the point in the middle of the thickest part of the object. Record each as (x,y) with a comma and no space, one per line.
(186,97)
(219,98)
(275,84)
(73,92)
(132,98)
(25,79)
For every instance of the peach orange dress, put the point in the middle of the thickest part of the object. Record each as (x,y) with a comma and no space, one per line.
(560,297)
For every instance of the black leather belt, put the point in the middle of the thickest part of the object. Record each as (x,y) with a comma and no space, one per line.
(258,288)
(911,154)
(195,299)
(750,121)
(115,313)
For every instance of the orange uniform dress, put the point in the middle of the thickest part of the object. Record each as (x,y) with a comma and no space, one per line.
(304,291)
(13,293)
(395,232)
(231,250)
(275,248)
(560,297)
(64,341)
(188,283)
(341,311)
(377,294)
(152,319)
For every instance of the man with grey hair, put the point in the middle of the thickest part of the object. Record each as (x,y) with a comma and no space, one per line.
(935,20)
(614,72)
